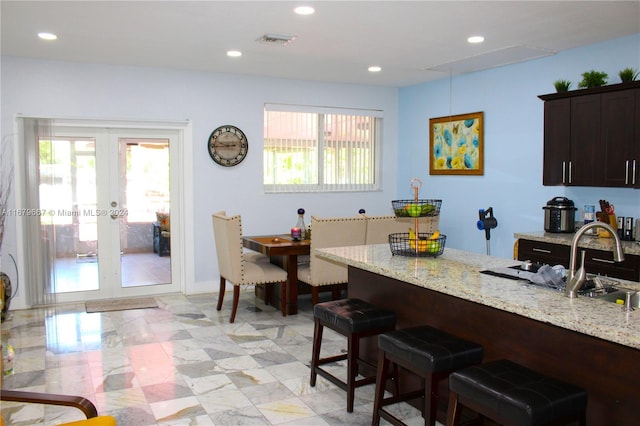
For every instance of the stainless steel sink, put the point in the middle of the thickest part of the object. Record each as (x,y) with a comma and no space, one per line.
(594,287)
(620,296)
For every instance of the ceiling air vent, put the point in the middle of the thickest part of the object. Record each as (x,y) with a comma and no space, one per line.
(274,39)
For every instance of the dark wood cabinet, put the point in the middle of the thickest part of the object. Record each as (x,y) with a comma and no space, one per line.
(596,261)
(557,131)
(619,138)
(545,253)
(592,137)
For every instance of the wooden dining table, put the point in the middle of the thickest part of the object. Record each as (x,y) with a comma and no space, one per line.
(282,251)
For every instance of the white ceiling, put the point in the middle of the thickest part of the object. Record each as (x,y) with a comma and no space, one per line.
(413,41)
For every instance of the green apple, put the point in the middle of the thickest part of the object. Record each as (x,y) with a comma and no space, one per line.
(414,210)
(433,247)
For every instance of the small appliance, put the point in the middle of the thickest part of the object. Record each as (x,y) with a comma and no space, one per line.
(560,215)
(628,229)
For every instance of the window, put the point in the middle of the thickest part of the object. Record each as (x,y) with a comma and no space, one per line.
(315,149)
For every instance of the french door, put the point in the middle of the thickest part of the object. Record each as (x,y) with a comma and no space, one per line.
(105,203)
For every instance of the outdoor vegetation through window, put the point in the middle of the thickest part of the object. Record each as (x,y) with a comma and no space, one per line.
(320,149)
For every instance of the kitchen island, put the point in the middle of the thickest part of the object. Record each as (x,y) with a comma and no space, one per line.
(588,342)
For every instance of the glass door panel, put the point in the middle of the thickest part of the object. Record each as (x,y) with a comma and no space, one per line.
(145,226)
(68,202)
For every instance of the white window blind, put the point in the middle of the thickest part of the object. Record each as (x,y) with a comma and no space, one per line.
(320,149)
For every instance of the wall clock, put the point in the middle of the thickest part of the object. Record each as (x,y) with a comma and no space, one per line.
(227,145)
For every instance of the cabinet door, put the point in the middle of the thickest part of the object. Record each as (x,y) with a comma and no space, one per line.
(618,138)
(557,124)
(635,173)
(585,166)
(545,253)
(601,262)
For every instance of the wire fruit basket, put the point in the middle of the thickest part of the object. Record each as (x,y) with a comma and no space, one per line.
(423,246)
(416,208)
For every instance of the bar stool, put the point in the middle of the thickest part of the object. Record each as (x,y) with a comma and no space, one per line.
(511,394)
(355,319)
(426,352)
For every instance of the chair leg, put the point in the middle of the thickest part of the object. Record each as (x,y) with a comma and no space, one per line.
(283,298)
(223,284)
(453,413)
(315,355)
(381,379)
(352,369)
(430,400)
(267,293)
(236,297)
(335,292)
(314,296)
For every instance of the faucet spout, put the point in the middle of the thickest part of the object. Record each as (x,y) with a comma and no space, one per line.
(575,281)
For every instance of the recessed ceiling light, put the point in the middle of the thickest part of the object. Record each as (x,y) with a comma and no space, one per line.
(475,39)
(375,68)
(304,10)
(47,36)
(234,53)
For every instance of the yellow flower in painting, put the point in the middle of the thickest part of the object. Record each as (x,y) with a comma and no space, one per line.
(441,163)
(462,149)
(456,163)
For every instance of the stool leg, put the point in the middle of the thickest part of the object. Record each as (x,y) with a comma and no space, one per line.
(315,356)
(353,353)
(453,413)
(430,400)
(381,380)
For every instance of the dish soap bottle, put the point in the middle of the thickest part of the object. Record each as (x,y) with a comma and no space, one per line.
(299,232)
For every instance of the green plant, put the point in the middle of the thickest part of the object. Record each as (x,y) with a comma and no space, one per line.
(562,85)
(593,79)
(628,74)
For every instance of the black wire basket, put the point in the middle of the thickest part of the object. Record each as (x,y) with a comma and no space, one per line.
(416,208)
(424,246)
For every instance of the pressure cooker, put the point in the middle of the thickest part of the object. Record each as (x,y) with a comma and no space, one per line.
(560,215)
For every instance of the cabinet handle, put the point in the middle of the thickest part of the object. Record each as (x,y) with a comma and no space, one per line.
(626,172)
(564,172)
(541,250)
(570,172)
(597,259)
(633,170)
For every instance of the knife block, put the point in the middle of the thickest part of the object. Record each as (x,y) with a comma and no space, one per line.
(609,219)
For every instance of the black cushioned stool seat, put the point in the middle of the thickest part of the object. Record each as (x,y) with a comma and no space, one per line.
(428,353)
(511,394)
(353,318)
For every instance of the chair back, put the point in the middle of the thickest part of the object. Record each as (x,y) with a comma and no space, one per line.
(227,231)
(379,227)
(333,232)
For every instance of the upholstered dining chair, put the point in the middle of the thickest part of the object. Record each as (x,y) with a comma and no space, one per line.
(83,404)
(330,232)
(241,268)
(379,227)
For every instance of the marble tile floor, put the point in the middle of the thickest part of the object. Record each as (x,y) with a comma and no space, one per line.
(182,363)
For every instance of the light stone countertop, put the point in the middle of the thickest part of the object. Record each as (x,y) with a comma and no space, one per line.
(587,241)
(456,273)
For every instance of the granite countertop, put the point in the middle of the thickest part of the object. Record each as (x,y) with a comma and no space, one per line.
(456,273)
(587,241)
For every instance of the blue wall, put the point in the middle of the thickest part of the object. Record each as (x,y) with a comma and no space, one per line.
(513,136)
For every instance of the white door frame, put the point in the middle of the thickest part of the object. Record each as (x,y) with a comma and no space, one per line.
(181,195)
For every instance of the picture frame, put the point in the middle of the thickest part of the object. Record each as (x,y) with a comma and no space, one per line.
(456,144)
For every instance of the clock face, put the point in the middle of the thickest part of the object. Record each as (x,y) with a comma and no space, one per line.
(227,145)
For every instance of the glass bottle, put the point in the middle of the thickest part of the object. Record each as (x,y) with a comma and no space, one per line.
(300,227)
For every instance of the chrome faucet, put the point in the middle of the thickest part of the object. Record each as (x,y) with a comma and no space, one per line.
(575,280)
